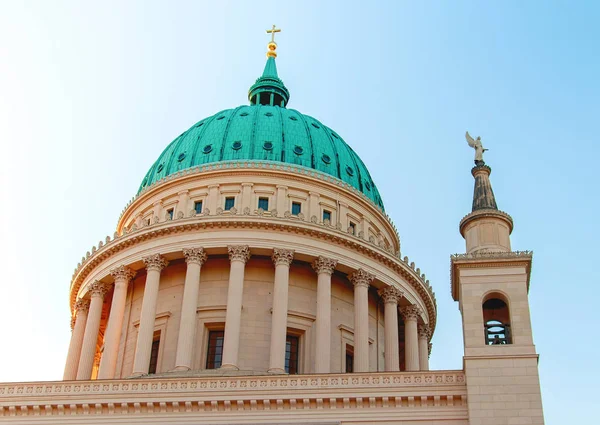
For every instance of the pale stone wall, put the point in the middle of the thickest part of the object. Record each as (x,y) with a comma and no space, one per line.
(256,315)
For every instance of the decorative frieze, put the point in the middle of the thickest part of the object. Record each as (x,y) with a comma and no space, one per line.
(391,294)
(239,253)
(122,273)
(324,265)
(282,256)
(411,312)
(424,331)
(361,278)
(155,262)
(194,255)
(98,289)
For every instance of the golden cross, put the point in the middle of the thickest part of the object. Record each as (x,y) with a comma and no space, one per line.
(272,32)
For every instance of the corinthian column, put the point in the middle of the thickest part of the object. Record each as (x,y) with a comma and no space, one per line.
(86,361)
(194,257)
(324,268)
(391,296)
(81,313)
(361,281)
(282,258)
(424,335)
(112,336)
(154,265)
(238,256)
(411,313)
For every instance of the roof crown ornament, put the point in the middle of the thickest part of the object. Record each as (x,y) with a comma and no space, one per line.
(479,149)
(272,46)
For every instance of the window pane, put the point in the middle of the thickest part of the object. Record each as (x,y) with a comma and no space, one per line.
(215,349)
(154,356)
(296,208)
(170,212)
(326,215)
(263,203)
(229,202)
(198,207)
(291,354)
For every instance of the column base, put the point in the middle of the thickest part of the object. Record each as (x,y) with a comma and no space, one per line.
(180,369)
(229,367)
(277,371)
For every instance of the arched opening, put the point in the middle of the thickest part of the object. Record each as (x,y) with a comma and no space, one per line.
(496,322)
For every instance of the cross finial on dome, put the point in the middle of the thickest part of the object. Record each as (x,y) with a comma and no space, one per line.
(272,46)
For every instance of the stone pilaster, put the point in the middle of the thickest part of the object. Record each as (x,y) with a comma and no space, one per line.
(154,265)
(238,256)
(112,336)
(282,259)
(361,281)
(194,258)
(391,296)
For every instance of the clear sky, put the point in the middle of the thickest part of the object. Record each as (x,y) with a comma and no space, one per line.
(92,92)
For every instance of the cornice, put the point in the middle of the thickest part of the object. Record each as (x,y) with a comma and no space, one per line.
(488,260)
(206,396)
(290,224)
(484,213)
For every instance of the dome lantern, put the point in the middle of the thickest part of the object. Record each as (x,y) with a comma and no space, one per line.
(268,88)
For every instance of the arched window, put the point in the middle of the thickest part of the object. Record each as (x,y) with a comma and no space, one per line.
(496,320)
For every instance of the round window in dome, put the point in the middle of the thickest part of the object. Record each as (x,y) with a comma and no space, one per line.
(326,159)
(200,124)
(335,135)
(244,114)
(268,114)
(221,117)
(315,125)
(181,157)
(145,181)
(294,118)
(298,150)
(368,185)
(160,168)
(237,145)
(207,149)
(268,146)
(350,171)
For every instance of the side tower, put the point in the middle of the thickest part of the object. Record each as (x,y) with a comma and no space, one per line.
(491,284)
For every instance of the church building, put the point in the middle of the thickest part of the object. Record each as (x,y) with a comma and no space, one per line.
(255,278)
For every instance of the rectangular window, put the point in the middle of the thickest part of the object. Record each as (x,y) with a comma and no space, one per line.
(154,355)
(353,228)
(215,349)
(291,354)
(229,203)
(263,203)
(349,359)
(198,207)
(327,215)
(296,208)
(170,212)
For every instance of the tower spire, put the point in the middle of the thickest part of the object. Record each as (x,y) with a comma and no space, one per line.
(268,88)
(486,228)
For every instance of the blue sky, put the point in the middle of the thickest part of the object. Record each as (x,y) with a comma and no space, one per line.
(92,92)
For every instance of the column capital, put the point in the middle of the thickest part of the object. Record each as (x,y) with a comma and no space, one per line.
(239,253)
(324,265)
(82,305)
(282,256)
(361,278)
(98,289)
(155,262)
(122,273)
(411,312)
(194,255)
(424,331)
(391,294)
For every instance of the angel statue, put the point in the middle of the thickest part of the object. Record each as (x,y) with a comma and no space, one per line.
(479,149)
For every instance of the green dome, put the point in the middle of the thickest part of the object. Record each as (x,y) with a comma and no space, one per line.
(267,133)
